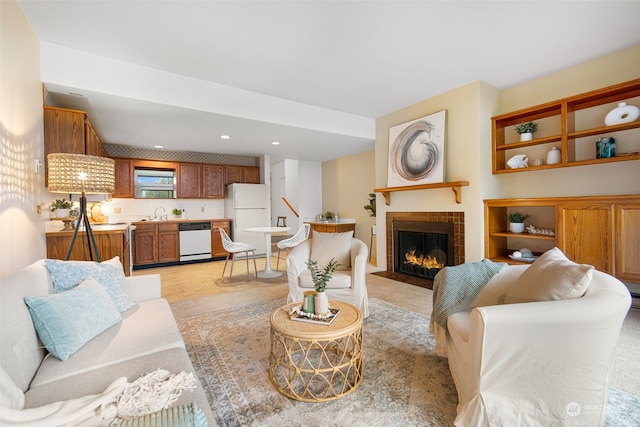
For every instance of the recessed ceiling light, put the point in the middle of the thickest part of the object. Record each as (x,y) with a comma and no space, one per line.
(158,146)
(225,137)
(275,143)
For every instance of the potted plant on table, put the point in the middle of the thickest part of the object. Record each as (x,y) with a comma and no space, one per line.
(61,208)
(526,130)
(320,279)
(516,221)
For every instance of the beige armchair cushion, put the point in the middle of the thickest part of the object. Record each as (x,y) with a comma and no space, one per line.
(551,277)
(325,246)
(339,280)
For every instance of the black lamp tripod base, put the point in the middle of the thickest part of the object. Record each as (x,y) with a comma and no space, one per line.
(84,219)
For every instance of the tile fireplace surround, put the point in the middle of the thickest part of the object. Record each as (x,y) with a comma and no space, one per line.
(457,218)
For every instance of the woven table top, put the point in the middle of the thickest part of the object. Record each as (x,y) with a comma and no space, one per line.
(349,319)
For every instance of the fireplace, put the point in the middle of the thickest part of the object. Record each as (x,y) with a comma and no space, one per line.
(438,235)
(422,248)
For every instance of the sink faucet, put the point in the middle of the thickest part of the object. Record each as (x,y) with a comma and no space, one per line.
(155,213)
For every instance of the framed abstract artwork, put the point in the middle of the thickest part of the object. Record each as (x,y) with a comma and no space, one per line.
(416,151)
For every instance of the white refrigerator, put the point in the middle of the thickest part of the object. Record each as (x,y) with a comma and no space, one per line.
(247,206)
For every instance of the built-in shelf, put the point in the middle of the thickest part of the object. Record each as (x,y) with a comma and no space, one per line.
(456,186)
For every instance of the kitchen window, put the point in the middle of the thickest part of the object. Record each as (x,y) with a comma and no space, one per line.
(155,184)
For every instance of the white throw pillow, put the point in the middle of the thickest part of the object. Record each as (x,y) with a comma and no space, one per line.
(551,277)
(325,246)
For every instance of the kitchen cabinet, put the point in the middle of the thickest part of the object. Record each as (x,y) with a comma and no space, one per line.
(124,178)
(217,250)
(110,244)
(189,178)
(155,243)
(603,231)
(332,227)
(241,174)
(168,242)
(212,181)
(571,124)
(69,131)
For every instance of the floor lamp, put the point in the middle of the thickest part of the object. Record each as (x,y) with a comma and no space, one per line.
(81,174)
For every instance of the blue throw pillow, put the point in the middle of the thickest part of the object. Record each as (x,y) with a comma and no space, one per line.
(68,320)
(109,274)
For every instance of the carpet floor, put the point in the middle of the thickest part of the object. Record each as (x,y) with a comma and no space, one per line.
(405,383)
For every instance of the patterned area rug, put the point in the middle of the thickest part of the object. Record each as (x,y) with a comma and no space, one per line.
(404,383)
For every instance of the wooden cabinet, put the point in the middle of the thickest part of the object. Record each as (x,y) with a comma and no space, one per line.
(109,243)
(155,243)
(168,242)
(69,131)
(241,174)
(212,181)
(332,227)
(251,175)
(216,240)
(189,178)
(571,124)
(145,244)
(124,178)
(603,231)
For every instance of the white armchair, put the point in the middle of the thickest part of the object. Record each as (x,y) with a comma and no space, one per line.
(535,363)
(347,285)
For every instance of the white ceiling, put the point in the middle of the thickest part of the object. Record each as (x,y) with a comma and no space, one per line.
(356,60)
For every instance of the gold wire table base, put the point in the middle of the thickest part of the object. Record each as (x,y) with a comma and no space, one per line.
(317,363)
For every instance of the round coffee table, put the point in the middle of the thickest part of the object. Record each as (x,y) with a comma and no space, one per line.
(316,363)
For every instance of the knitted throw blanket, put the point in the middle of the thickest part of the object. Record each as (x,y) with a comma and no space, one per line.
(454,289)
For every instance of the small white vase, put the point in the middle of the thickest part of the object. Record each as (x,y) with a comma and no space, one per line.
(321,303)
(554,156)
(623,113)
(516,227)
(527,136)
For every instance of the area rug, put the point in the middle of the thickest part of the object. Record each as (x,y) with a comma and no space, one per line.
(405,383)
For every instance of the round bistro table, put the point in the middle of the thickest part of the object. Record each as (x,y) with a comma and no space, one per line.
(316,363)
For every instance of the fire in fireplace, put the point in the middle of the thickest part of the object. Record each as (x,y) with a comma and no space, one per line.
(422,248)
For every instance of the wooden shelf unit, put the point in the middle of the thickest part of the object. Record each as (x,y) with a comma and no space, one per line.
(572,124)
(603,231)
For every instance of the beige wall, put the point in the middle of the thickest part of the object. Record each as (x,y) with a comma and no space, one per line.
(467,147)
(468,151)
(21,228)
(346,184)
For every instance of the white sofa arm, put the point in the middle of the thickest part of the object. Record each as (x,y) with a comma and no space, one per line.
(145,287)
(563,348)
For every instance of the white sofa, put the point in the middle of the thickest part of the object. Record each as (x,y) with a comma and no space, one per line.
(348,283)
(146,339)
(535,363)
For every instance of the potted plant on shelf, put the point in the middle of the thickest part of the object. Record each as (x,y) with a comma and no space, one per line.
(320,279)
(526,130)
(516,222)
(61,208)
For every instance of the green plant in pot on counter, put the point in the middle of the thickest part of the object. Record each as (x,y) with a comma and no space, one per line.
(178,212)
(61,204)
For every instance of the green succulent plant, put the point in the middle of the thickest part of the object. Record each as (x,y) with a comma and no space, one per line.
(517,217)
(527,127)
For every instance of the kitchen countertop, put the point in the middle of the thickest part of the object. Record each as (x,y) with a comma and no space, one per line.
(56,228)
(151,221)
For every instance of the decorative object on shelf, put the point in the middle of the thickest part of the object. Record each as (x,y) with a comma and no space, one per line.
(526,130)
(416,151)
(531,229)
(523,254)
(61,208)
(623,113)
(538,162)
(554,156)
(320,280)
(605,148)
(518,161)
(371,207)
(79,173)
(516,222)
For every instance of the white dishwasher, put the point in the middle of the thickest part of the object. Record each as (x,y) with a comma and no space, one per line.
(195,241)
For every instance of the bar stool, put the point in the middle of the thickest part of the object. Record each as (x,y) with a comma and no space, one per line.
(284,221)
